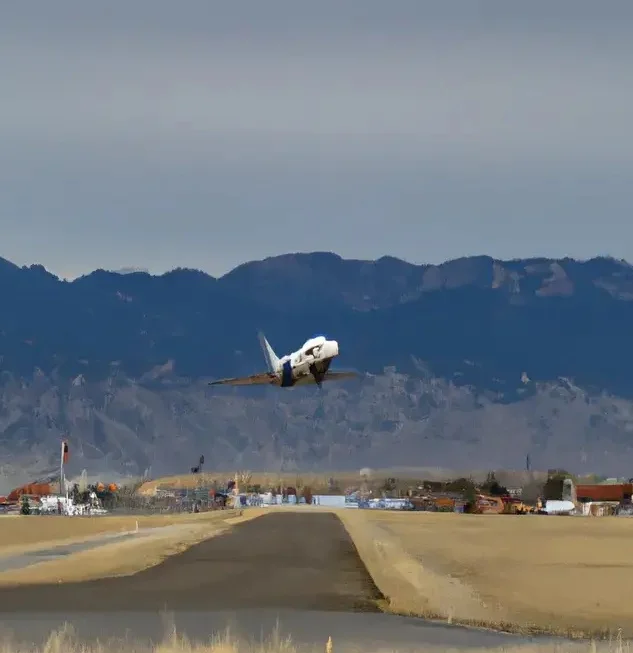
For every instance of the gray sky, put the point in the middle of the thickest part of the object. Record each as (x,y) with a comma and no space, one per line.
(158,134)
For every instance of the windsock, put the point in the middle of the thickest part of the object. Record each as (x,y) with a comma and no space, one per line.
(64,451)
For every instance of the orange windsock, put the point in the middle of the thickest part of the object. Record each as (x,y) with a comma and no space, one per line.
(64,451)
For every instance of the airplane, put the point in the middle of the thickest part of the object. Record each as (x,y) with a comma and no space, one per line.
(309,364)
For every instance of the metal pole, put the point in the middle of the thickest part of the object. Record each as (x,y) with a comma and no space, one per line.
(62,484)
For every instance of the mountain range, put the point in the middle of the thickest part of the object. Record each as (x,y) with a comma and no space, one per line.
(474,362)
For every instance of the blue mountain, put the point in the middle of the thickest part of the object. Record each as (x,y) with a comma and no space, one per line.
(120,362)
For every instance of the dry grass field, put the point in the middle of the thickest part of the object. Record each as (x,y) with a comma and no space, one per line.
(173,535)
(557,574)
(191,481)
(63,641)
(21,534)
(265,479)
(409,476)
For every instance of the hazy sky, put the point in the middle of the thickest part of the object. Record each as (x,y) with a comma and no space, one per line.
(157,134)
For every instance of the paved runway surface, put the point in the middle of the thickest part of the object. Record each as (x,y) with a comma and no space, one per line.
(281,560)
(301,568)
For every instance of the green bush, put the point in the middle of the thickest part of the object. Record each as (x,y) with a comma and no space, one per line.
(25,508)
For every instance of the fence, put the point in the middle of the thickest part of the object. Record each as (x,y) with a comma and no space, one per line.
(165,502)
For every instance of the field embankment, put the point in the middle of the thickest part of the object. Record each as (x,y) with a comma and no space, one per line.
(523,573)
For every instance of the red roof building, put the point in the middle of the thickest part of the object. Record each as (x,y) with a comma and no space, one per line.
(620,493)
(32,489)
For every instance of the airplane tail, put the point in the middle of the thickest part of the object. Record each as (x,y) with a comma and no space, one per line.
(272,360)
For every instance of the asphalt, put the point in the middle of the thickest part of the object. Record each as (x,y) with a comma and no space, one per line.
(282,560)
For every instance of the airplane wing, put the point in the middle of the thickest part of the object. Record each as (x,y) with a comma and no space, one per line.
(264,378)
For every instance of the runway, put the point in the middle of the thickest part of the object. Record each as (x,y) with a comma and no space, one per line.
(301,568)
(289,560)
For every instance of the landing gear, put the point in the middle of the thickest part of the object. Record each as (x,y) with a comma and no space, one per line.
(318,376)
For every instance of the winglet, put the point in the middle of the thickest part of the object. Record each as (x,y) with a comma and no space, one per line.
(272,360)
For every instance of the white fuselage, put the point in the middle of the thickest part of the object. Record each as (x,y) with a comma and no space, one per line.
(312,359)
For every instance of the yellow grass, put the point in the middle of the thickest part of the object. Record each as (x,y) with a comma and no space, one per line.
(557,574)
(319,481)
(64,641)
(265,479)
(128,556)
(24,533)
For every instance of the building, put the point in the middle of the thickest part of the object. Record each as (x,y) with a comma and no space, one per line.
(617,493)
(30,489)
(603,500)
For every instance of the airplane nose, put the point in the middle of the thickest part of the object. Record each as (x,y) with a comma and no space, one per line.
(333,348)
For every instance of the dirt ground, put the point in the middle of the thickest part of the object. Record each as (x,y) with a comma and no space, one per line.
(279,560)
(565,573)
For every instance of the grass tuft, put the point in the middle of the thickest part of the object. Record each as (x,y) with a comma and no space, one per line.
(65,640)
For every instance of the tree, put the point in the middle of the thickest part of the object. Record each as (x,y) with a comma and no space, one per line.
(333,485)
(465,486)
(558,473)
(553,488)
(243,479)
(470,495)
(493,487)
(433,486)
(365,476)
(389,485)
(462,485)
(75,494)
(532,491)
(25,508)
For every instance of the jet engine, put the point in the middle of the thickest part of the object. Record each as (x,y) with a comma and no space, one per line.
(329,349)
